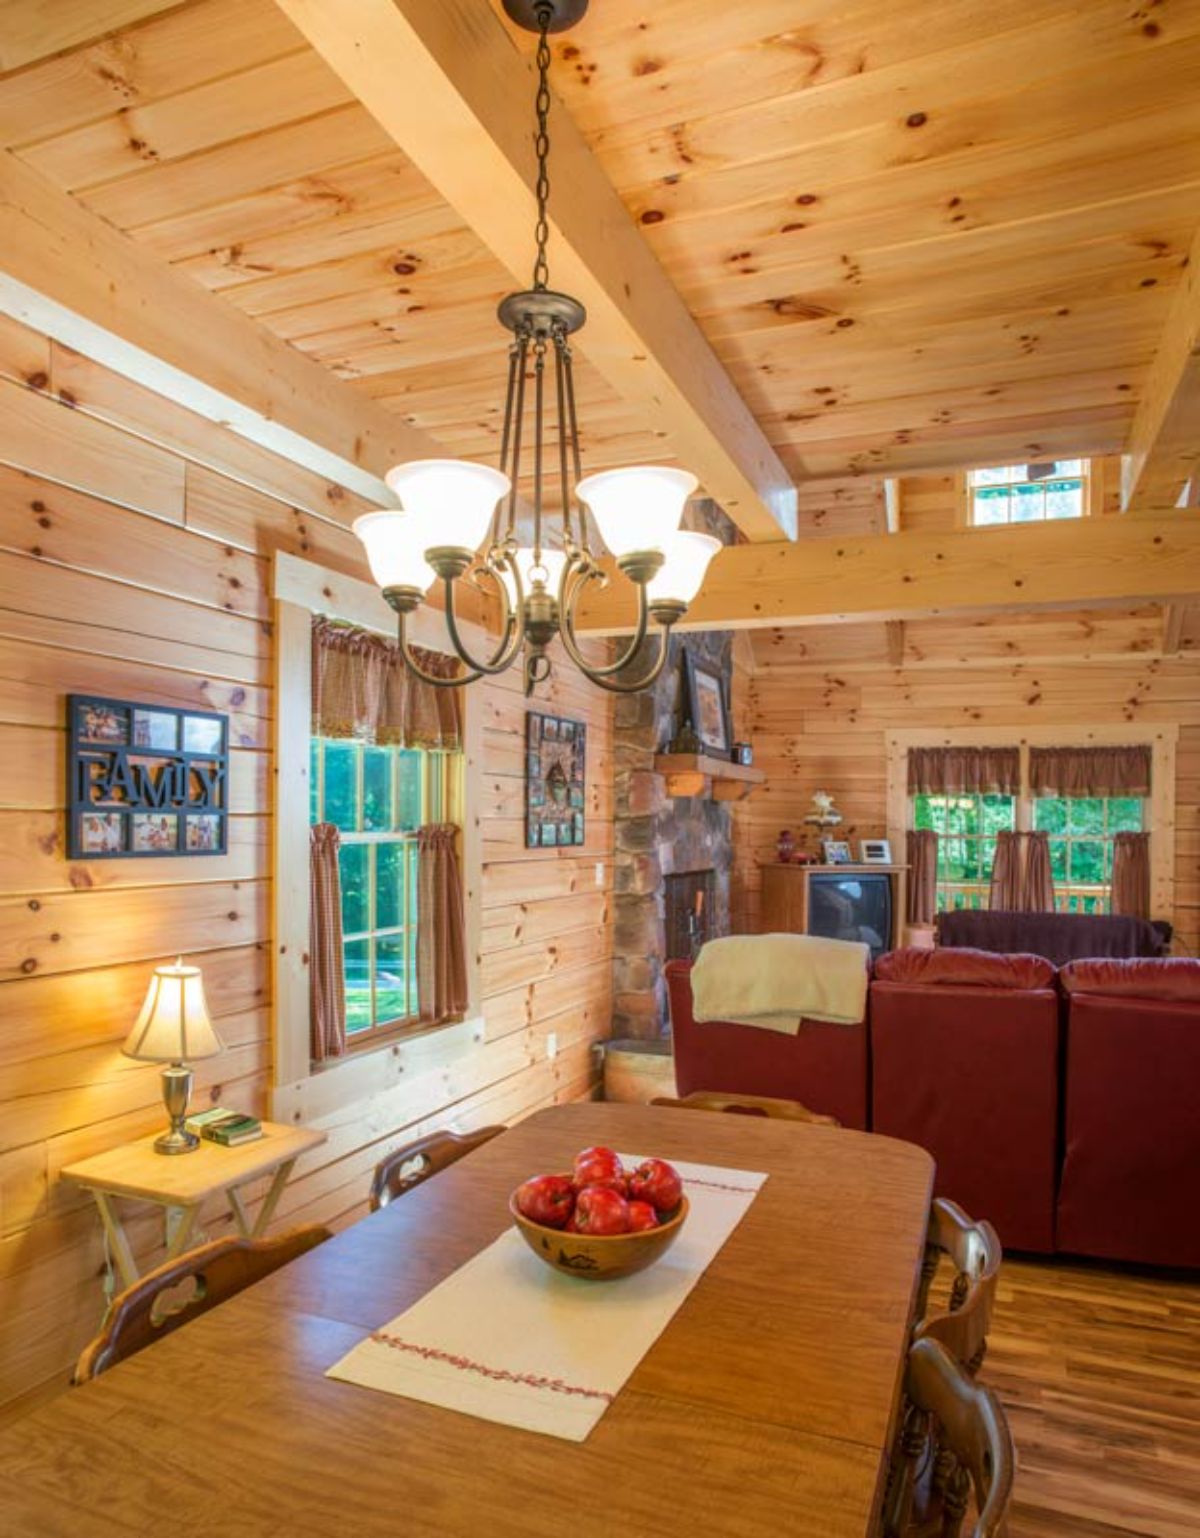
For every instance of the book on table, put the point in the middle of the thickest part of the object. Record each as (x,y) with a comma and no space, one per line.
(228,1128)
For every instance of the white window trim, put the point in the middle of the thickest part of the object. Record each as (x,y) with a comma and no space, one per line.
(1093,496)
(302,1092)
(1160,822)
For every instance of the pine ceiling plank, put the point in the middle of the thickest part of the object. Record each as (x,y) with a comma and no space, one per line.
(1164,441)
(66,272)
(1016,570)
(437,76)
(34,29)
(181,49)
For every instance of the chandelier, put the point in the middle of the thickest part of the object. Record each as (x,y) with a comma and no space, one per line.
(459,521)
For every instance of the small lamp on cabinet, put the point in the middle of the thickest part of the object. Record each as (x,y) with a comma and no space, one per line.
(174,1028)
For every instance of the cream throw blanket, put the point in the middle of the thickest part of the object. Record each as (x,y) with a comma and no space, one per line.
(774,981)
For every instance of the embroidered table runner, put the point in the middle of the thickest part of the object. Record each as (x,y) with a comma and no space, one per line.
(508,1339)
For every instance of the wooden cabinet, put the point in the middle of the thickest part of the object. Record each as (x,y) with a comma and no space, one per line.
(787,896)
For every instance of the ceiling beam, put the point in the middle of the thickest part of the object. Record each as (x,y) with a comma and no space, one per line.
(70,275)
(447,84)
(1097,562)
(1163,451)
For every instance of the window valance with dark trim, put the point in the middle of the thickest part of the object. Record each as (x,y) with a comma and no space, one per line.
(362,689)
(1090,771)
(964,771)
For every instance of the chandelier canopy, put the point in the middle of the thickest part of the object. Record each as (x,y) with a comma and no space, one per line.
(462,521)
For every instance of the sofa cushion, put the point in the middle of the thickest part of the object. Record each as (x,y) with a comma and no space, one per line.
(964,969)
(1176,978)
(1059,937)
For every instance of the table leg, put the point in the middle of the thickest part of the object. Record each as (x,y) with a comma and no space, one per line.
(266,1212)
(183,1226)
(121,1252)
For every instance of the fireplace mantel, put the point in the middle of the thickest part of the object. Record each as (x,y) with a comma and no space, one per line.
(695,774)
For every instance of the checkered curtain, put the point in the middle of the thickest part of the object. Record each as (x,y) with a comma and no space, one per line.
(441,926)
(1131,875)
(327,990)
(922,875)
(362,689)
(1022,881)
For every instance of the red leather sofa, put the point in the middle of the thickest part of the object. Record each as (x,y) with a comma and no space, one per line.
(1130,1185)
(965,1052)
(824,1066)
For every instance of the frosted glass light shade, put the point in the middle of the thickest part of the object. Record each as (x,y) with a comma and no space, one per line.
(396,544)
(686,559)
(451,499)
(174,1025)
(637,508)
(552,560)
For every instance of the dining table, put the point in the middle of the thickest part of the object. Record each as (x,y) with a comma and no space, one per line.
(768,1404)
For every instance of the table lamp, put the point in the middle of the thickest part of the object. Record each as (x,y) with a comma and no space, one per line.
(173,1027)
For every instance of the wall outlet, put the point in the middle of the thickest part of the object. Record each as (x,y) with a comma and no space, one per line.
(599,872)
(552,1044)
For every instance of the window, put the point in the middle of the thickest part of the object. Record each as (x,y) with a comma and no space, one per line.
(966,826)
(1081,845)
(378,797)
(1037,493)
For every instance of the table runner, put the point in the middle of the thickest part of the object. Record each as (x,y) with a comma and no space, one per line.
(508,1339)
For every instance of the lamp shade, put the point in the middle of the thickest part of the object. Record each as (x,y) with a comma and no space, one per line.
(552,560)
(637,508)
(174,1024)
(396,544)
(451,499)
(686,559)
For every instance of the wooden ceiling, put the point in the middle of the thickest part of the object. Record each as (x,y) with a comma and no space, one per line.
(918,234)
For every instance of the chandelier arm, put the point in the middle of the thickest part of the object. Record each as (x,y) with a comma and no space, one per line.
(573,422)
(563,477)
(518,418)
(599,676)
(512,634)
(539,401)
(415,668)
(506,436)
(568,602)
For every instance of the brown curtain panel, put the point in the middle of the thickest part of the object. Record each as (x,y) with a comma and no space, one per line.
(361,688)
(1090,771)
(1005,891)
(441,926)
(1022,881)
(950,771)
(1131,875)
(327,990)
(1037,893)
(922,875)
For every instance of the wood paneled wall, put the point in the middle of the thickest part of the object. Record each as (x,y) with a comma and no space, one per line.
(134,559)
(820,699)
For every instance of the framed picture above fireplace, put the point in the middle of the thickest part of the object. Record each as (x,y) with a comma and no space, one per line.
(555,773)
(706,705)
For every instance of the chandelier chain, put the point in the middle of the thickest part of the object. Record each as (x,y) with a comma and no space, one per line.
(541,267)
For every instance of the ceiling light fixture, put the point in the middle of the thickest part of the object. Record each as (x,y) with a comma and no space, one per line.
(450,507)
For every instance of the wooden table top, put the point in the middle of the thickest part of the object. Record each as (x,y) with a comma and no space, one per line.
(186,1180)
(767,1405)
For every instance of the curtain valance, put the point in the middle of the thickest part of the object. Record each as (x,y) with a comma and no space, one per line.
(964,771)
(362,689)
(1090,771)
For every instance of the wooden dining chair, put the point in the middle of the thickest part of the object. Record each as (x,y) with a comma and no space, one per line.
(420,1159)
(973,1249)
(748,1105)
(945,1403)
(212,1273)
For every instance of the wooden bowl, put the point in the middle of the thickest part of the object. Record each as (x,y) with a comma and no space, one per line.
(599,1257)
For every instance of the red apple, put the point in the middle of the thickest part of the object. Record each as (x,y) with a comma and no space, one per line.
(601,1210)
(547,1199)
(641,1216)
(657,1182)
(599,1167)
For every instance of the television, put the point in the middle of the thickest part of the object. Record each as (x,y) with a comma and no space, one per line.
(855,906)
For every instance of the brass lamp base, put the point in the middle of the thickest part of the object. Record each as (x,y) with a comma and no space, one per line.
(177,1090)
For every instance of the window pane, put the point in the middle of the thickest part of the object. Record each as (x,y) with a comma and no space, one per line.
(377,788)
(389,885)
(1028,504)
(1086,814)
(1050,814)
(997,813)
(314,783)
(358,986)
(1058,859)
(412,885)
(391,996)
(991,505)
(997,475)
(353,862)
(1125,814)
(341,784)
(1087,864)
(409,808)
(1064,499)
(922,813)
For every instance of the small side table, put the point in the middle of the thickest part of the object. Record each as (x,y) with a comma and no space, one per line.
(182,1183)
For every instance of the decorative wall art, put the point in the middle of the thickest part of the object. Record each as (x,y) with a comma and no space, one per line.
(556,761)
(706,706)
(144,780)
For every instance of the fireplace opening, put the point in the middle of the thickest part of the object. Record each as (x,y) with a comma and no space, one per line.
(690,915)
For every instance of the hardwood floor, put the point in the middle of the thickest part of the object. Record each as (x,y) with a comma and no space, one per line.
(1099,1371)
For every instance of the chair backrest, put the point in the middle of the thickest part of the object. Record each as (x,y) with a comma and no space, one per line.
(970,1428)
(974,1251)
(420,1159)
(143,1313)
(748,1105)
